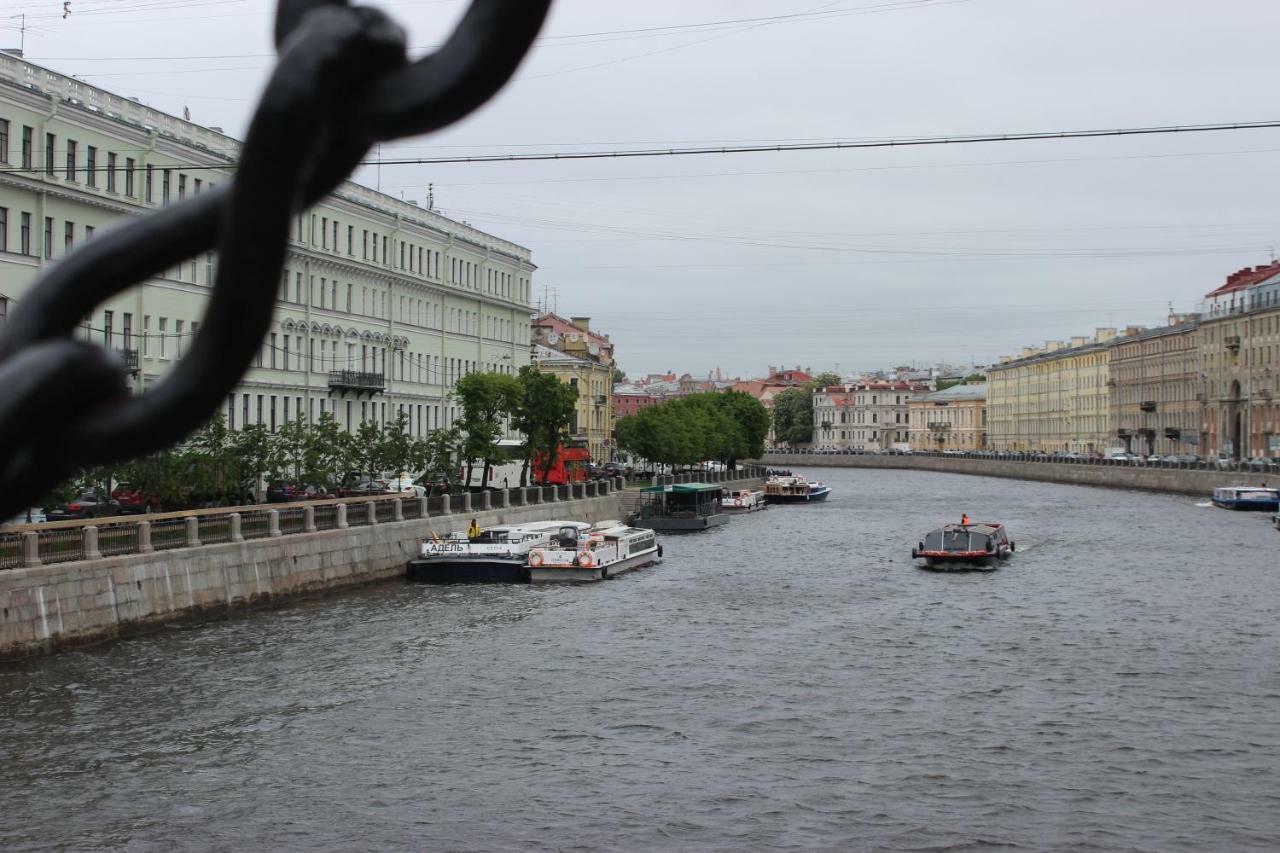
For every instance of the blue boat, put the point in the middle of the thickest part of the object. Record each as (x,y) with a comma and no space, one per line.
(1257,498)
(794,490)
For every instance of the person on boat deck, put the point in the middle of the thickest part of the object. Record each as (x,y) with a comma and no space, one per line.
(473,531)
(964,518)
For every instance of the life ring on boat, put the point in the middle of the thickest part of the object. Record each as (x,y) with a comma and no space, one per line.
(535,558)
(587,560)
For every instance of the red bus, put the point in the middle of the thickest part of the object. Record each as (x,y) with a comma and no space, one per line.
(572,465)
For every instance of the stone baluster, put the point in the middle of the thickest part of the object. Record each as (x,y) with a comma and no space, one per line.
(90,543)
(193,531)
(30,548)
(144,537)
(308,519)
(236,534)
(340,517)
(273,523)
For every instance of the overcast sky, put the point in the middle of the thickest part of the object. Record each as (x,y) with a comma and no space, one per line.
(840,259)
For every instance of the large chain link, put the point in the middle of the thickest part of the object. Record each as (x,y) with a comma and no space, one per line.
(343,83)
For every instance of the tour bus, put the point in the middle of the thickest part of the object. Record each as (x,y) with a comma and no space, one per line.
(572,465)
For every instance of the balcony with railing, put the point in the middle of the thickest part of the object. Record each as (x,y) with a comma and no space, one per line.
(1232,342)
(359,381)
(939,426)
(1147,406)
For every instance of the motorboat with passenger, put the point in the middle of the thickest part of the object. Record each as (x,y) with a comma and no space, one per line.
(597,554)
(742,500)
(498,555)
(1258,498)
(794,489)
(964,545)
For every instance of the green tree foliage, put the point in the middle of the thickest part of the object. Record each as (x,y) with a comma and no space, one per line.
(396,448)
(793,416)
(255,456)
(485,398)
(619,376)
(725,426)
(823,380)
(544,407)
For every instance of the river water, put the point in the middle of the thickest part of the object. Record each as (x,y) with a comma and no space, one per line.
(787,682)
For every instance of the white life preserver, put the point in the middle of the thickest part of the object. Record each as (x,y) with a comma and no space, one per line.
(535,558)
(587,560)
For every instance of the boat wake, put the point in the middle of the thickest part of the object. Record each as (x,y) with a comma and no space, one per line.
(1204,503)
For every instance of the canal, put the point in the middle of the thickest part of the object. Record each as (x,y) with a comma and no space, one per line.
(789,681)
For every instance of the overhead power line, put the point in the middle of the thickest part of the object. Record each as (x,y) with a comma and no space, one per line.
(764,148)
(908,142)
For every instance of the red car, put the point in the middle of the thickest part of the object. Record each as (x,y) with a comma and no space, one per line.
(133,500)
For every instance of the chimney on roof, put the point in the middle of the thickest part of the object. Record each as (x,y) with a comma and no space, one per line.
(1079,341)
(1104,334)
(581,323)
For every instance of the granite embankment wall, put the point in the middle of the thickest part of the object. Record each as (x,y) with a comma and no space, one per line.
(1185,481)
(51,607)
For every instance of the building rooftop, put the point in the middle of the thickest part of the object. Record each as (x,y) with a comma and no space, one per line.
(958,393)
(1245,277)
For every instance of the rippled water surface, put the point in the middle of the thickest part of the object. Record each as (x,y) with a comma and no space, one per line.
(789,681)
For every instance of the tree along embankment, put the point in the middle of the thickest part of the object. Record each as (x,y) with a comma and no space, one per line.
(1179,480)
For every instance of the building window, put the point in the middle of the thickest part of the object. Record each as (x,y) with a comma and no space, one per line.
(164,327)
(351,240)
(195,186)
(4,140)
(335,235)
(68,236)
(4,229)
(91,166)
(165,175)
(28,142)
(126,331)
(24,233)
(88,233)
(71,159)
(48,237)
(182,186)
(111,171)
(150,181)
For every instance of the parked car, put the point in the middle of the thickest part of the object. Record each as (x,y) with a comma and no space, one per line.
(1225,462)
(133,500)
(402,484)
(86,505)
(617,469)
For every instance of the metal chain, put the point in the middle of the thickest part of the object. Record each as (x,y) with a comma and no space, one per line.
(343,83)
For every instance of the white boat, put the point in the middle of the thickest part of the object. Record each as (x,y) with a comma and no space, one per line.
(1247,498)
(742,500)
(498,555)
(600,553)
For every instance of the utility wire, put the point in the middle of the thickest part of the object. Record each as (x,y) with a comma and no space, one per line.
(909,142)
(852,144)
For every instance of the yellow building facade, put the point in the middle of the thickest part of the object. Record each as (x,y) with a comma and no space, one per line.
(1053,398)
(952,419)
(570,350)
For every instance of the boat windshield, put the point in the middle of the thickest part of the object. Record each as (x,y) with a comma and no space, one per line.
(957,540)
(496,535)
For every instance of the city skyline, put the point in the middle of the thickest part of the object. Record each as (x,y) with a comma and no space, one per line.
(966,252)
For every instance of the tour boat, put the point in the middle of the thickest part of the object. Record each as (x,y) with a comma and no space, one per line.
(794,489)
(742,500)
(498,555)
(975,544)
(596,555)
(1247,497)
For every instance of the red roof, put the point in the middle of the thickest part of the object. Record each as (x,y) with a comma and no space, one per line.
(561,326)
(1245,277)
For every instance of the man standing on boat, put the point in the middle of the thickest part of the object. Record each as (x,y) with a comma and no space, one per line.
(964,518)
(473,532)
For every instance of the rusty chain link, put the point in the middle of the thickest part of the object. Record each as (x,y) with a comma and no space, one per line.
(343,83)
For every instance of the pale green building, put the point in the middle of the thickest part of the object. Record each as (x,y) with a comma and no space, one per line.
(383,304)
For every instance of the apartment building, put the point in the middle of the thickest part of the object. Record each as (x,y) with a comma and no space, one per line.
(382,305)
(952,419)
(1052,398)
(583,358)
